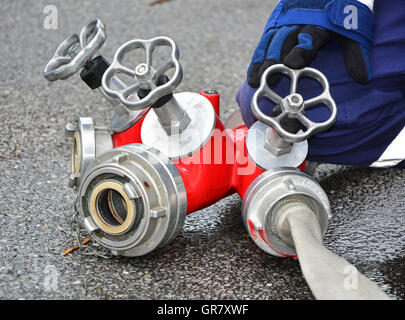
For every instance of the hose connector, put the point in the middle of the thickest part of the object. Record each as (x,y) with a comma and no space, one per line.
(132,200)
(88,142)
(268,201)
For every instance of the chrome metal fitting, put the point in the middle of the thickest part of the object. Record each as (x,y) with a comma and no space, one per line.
(144,75)
(88,143)
(181,143)
(293,106)
(132,200)
(123,118)
(173,118)
(267,199)
(271,155)
(75,51)
(269,144)
(275,144)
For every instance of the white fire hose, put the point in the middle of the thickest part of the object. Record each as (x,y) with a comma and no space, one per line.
(329,276)
(286,213)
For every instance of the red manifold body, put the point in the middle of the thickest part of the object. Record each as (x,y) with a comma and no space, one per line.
(222,167)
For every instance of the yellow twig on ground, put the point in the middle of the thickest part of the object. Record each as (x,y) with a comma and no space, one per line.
(85,241)
(157,2)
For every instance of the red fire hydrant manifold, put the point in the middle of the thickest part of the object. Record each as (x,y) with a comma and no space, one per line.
(167,155)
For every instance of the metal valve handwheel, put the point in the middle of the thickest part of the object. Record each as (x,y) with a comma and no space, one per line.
(73,53)
(294,106)
(145,74)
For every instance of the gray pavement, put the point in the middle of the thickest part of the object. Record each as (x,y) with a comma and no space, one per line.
(212,258)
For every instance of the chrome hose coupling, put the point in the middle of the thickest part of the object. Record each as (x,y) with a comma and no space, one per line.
(88,141)
(268,200)
(132,200)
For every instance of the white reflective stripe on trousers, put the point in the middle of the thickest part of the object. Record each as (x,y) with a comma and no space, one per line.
(394,154)
(368,3)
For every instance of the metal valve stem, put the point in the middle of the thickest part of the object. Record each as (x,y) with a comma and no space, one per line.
(119,85)
(275,144)
(173,118)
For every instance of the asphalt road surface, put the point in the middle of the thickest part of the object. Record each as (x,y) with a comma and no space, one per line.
(213,257)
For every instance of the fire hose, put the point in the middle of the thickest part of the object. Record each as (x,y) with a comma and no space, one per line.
(325,272)
(166,155)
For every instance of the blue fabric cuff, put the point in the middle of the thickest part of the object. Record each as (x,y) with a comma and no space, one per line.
(332,18)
